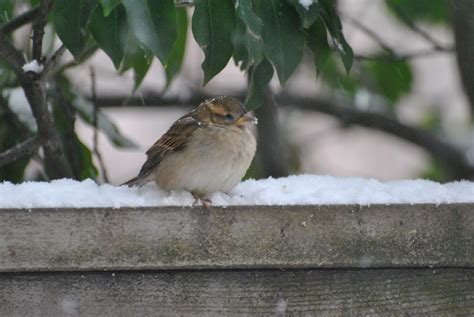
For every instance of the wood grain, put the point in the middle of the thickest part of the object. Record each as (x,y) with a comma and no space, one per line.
(362,292)
(237,237)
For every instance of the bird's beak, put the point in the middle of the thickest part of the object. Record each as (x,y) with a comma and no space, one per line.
(247,118)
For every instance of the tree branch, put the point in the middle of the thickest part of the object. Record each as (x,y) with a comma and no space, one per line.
(38,30)
(416,29)
(55,161)
(452,158)
(20,20)
(393,55)
(27,147)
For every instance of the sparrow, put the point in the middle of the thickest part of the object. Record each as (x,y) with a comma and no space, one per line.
(205,151)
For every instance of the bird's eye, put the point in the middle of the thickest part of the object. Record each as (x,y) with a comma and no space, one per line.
(229,117)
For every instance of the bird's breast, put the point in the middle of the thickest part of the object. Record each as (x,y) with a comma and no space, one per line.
(214,159)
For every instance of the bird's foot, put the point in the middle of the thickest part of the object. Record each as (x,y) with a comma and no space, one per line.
(206,202)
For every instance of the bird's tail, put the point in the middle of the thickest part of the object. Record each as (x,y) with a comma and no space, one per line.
(137,181)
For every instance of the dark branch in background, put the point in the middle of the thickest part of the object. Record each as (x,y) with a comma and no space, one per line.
(463,13)
(371,34)
(393,55)
(271,155)
(95,147)
(27,147)
(403,57)
(451,157)
(20,20)
(411,24)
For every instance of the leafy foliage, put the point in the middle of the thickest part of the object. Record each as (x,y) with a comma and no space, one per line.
(264,37)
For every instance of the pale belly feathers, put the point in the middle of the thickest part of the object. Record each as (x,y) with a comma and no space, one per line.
(215,159)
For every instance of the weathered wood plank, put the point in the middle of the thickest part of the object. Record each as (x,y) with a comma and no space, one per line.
(375,292)
(237,237)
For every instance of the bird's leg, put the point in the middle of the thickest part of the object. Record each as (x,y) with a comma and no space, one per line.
(206,202)
(196,198)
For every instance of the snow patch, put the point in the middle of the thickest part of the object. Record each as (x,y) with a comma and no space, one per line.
(306,3)
(33,66)
(292,190)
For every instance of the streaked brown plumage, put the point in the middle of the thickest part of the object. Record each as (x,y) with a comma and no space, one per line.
(207,150)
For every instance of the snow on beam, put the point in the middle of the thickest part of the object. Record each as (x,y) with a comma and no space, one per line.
(334,236)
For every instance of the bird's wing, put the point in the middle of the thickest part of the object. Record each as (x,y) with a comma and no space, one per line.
(174,140)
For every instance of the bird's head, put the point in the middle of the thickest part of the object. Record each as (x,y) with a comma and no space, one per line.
(224,111)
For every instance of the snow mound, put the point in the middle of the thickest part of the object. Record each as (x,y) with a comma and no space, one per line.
(293,190)
(33,66)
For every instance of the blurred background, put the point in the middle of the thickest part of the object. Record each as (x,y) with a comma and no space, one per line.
(402,112)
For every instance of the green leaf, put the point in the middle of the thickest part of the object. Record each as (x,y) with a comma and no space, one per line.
(71,19)
(213,26)
(334,26)
(109,5)
(260,76)
(154,24)
(283,39)
(317,40)
(391,80)
(85,110)
(6,10)
(307,16)
(175,60)
(434,11)
(253,30)
(136,57)
(240,54)
(88,169)
(109,32)
(332,74)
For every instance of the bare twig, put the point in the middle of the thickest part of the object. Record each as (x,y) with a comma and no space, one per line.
(53,60)
(372,35)
(27,147)
(95,147)
(38,30)
(20,20)
(416,29)
(392,55)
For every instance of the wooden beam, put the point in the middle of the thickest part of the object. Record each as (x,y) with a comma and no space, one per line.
(249,237)
(364,292)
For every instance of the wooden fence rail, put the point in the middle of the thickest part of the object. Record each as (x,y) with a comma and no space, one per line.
(242,260)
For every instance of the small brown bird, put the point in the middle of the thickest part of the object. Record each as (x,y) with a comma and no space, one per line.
(207,150)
